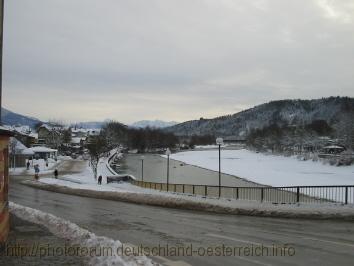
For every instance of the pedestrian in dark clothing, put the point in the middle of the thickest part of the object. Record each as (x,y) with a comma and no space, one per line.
(28,165)
(56,173)
(36,172)
(100,180)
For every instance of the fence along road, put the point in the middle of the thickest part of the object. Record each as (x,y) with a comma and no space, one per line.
(297,194)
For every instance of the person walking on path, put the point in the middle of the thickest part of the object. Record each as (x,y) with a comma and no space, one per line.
(100,180)
(56,173)
(36,171)
(28,165)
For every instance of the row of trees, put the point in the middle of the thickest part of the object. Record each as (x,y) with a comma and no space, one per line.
(200,140)
(114,134)
(277,138)
(143,139)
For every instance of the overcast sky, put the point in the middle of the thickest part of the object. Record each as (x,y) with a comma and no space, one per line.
(128,60)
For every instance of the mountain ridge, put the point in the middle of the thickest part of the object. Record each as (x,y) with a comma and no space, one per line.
(153,124)
(334,110)
(11,118)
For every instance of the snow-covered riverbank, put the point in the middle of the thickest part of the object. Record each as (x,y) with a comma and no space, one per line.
(269,169)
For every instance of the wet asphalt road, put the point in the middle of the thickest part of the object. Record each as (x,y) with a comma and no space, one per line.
(315,242)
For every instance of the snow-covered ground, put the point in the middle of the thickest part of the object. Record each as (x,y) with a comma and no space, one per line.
(43,168)
(269,169)
(85,180)
(77,235)
(86,177)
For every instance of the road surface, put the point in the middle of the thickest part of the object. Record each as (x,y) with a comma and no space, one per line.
(315,242)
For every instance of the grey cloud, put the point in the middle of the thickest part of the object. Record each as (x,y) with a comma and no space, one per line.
(172,59)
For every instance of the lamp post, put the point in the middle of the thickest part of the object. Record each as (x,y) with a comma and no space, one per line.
(168,153)
(142,168)
(219,142)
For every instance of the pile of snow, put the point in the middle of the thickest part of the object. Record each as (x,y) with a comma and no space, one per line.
(269,169)
(77,235)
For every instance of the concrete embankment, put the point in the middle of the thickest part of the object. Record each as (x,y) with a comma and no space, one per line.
(172,200)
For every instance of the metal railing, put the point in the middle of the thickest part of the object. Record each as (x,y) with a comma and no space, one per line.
(279,195)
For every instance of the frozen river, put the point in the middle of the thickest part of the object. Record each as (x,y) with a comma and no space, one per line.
(155,170)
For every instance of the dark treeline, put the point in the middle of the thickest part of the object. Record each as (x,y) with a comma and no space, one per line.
(276,137)
(143,139)
(200,140)
(148,139)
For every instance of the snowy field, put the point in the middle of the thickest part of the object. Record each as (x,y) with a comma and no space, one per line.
(269,169)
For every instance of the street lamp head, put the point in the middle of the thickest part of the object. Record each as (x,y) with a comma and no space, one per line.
(168,152)
(219,141)
(142,157)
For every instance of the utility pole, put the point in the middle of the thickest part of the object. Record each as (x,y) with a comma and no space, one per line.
(168,153)
(1,46)
(219,142)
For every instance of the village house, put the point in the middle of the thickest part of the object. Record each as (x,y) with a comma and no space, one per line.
(49,136)
(19,153)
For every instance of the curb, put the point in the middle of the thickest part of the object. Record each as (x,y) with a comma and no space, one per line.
(274,211)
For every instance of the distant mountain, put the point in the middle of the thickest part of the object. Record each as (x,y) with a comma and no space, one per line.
(89,125)
(153,124)
(12,119)
(338,112)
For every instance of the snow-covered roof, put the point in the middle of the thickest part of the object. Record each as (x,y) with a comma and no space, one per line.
(77,130)
(18,144)
(94,132)
(76,140)
(333,147)
(27,151)
(6,131)
(34,135)
(50,128)
(40,149)
(20,148)
(76,146)
(23,129)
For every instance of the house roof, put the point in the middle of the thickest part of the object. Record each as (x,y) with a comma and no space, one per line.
(40,149)
(5,131)
(333,147)
(76,140)
(20,148)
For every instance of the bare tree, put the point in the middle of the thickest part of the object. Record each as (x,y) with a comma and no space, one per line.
(97,148)
(12,150)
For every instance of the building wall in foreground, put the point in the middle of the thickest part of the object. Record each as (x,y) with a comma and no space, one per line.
(4,182)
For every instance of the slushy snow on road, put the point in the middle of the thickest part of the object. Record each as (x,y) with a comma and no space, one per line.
(77,235)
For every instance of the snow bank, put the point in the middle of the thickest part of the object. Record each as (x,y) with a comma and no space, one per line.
(77,235)
(130,193)
(269,169)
